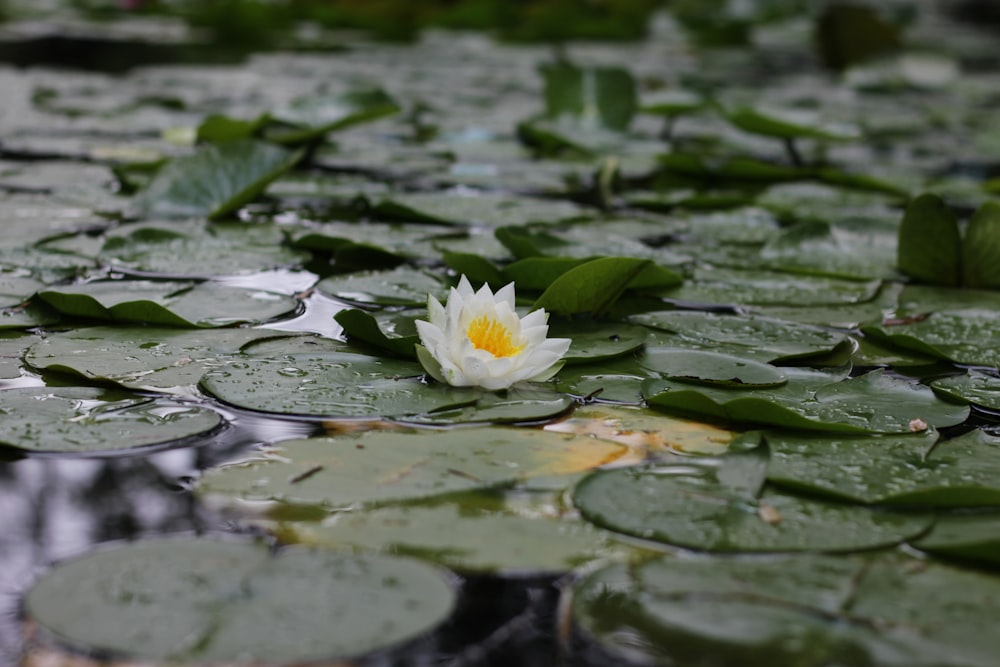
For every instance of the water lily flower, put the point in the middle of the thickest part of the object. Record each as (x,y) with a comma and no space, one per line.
(479,340)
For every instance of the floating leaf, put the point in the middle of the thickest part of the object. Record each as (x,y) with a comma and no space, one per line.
(758,338)
(365,327)
(889,610)
(176,304)
(402,286)
(900,470)
(380,467)
(206,601)
(461,536)
(94,421)
(144,358)
(710,368)
(702,507)
(874,403)
(590,288)
(216,180)
(929,243)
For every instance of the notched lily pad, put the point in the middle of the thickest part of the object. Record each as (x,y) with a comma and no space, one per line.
(889,610)
(908,470)
(379,467)
(82,420)
(176,304)
(710,368)
(699,506)
(201,601)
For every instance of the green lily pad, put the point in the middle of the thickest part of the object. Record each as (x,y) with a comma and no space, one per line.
(379,467)
(95,421)
(200,250)
(710,368)
(976,388)
(201,601)
(146,358)
(590,288)
(333,385)
(981,248)
(309,118)
(598,341)
(402,286)
(929,242)
(597,96)
(972,537)
(770,288)
(13,345)
(872,403)
(177,304)
(790,124)
(215,181)
(963,336)
(464,537)
(890,610)
(480,210)
(890,470)
(366,328)
(700,507)
(514,406)
(855,250)
(753,337)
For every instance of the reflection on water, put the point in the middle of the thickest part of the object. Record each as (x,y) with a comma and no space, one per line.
(55,507)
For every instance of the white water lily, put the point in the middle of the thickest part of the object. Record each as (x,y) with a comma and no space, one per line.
(479,340)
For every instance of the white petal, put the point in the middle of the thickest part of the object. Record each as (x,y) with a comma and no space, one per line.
(535,318)
(430,335)
(506,295)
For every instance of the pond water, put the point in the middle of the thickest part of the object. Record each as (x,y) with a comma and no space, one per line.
(778,278)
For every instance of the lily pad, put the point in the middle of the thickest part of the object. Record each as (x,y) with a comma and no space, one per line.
(215,181)
(205,601)
(873,403)
(482,209)
(769,288)
(753,337)
(177,304)
(333,385)
(590,288)
(962,336)
(90,421)
(906,470)
(790,124)
(976,388)
(402,286)
(364,327)
(146,358)
(699,507)
(464,537)
(598,341)
(889,610)
(971,537)
(379,467)
(710,368)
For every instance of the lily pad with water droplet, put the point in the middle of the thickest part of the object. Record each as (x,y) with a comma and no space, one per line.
(973,387)
(216,180)
(402,286)
(908,470)
(710,368)
(699,507)
(172,304)
(890,610)
(146,358)
(83,420)
(873,403)
(202,601)
(479,210)
(752,337)
(379,467)
(465,536)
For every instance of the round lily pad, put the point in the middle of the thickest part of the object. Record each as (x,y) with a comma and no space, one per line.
(94,421)
(973,387)
(700,507)
(911,470)
(463,537)
(201,601)
(806,611)
(402,286)
(598,341)
(710,368)
(333,385)
(391,466)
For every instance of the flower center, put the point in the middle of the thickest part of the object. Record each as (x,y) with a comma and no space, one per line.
(492,336)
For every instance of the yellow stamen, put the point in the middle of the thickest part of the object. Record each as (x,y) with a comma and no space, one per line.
(492,336)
